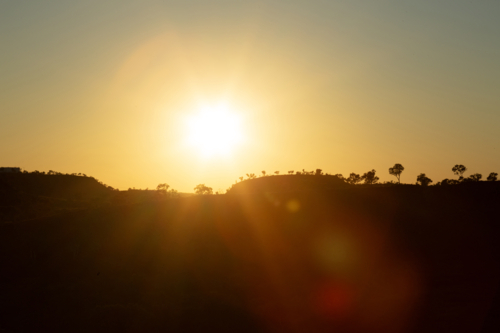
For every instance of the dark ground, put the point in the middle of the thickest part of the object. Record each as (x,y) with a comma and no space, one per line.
(354,259)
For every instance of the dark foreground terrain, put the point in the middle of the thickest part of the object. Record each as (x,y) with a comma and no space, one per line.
(352,259)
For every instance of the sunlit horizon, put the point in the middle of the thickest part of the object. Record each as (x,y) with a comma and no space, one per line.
(117,90)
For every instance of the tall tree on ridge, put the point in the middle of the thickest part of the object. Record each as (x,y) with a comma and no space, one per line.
(396,171)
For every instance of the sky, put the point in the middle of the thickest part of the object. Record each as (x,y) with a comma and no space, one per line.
(106,87)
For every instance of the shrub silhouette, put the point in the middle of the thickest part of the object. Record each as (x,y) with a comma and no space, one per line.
(396,171)
(474,178)
(173,193)
(447,181)
(423,180)
(162,187)
(202,189)
(353,178)
(492,177)
(369,177)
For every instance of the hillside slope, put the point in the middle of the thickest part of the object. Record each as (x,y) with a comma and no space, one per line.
(33,195)
(289,183)
(390,259)
(55,186)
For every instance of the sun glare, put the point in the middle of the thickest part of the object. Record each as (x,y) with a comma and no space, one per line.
(214,131)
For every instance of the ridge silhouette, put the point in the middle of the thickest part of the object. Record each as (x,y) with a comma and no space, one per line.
(288,253)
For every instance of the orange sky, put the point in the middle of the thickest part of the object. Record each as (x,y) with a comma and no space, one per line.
(105,87)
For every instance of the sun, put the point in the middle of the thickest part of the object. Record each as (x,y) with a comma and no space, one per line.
(214,131)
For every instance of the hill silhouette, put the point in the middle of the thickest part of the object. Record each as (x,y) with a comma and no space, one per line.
(33,195)
(55,186)
(288,183)
(25,196)
(344,259)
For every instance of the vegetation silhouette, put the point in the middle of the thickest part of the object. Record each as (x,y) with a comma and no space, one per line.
(473,178)
(459,170)
(369,177)
(29,195)
(396,171)
(354,178)
(163,189)
(202,189)
(423,180)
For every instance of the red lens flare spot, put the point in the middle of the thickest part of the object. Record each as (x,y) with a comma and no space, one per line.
(334,300)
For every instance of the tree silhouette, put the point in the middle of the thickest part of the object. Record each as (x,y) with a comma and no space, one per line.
(492,177)
(162,187)
(263,173)
(353,178)
(319,172)
(276,173)
(423,180)
(290,172)
(173,193)
(369,177)
(396,171)
(202,189)
(447,181)
(475,177)
(459,170)
(241,179)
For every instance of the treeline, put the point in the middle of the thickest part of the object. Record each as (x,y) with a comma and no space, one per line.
(30,195)
(370,177)
(56,173)
(459,171)
(54,184)
(162,190)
